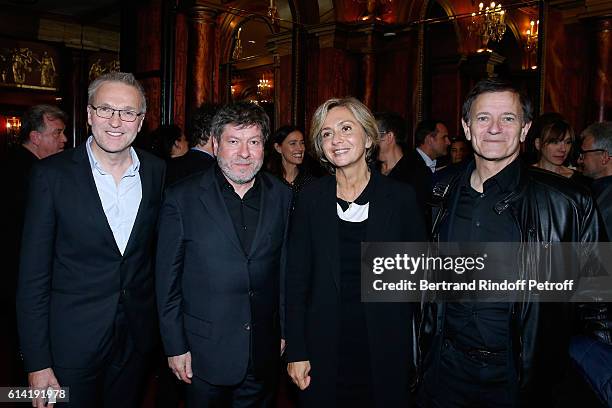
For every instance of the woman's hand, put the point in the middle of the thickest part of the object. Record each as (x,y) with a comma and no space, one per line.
(299,372)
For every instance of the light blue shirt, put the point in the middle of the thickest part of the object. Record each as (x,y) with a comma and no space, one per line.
(428,162)
(119,201)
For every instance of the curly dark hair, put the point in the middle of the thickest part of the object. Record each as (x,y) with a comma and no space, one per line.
(242,114)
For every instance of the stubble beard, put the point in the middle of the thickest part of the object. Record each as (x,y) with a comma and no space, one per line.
(225,167)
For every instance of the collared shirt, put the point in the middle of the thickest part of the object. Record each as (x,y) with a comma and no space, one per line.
(244,211)
(119,201)
(483,325)
(428,162)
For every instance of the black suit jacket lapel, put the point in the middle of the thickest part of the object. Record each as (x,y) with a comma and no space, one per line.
(328,228)
(146,181)
(380,212)
(215,205)
(265,206)
(87,193)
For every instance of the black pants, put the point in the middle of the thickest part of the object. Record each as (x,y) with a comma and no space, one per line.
(462,381)
(117,383)
(252,392)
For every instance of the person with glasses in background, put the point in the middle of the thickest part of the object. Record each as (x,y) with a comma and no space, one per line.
(592,351)
(85,297)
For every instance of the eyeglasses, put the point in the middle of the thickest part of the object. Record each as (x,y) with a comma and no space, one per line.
(583,152)
(106,112)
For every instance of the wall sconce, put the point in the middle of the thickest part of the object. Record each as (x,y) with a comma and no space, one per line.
(13,127)
(531,43)
(531,35)
(273,15)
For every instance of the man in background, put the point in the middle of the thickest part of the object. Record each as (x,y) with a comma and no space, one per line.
(42,135)
(596,162)
(200,155)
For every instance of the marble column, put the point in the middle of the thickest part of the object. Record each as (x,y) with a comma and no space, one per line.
(201,56)
(369,79)
(602,86)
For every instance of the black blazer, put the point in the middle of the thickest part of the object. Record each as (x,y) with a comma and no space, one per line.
(215,300)
(313,278)
(72,274)
(190,163)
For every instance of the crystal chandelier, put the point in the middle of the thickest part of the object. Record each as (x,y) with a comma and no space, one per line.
(264,88)
(488,22)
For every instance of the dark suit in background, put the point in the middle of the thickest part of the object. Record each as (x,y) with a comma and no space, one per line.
(192,162)
(15,170)
(80,302)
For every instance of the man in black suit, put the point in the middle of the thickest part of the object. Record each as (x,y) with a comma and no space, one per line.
(219,265)
(431,139)
(200,155)
(392,132)
(41,135)
(418,165)
(85,299)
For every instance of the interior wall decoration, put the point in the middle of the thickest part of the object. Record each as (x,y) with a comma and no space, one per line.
(28,65)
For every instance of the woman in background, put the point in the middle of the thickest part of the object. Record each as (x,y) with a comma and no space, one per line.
(342,352)
(554,144)
(287,159)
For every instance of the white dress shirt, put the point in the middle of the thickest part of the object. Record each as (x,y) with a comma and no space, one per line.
(119,201)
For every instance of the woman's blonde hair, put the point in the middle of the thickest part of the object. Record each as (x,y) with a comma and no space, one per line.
(360,112)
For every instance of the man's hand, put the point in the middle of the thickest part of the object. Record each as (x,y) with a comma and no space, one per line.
(298,371)
(181,366)
(41,380)
(283,345)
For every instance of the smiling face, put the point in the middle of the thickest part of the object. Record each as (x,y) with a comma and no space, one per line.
(292,148)
(556,152)
(496,126)
(114,136)
(240,153)
(344,139)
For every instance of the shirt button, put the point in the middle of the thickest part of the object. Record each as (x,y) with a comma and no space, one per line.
(251,293)
(477,223)
(247,327)
(482,195)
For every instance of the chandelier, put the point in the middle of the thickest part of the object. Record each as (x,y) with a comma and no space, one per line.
(488,22)
(264,88)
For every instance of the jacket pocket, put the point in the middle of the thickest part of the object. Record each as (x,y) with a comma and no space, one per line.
(202,328)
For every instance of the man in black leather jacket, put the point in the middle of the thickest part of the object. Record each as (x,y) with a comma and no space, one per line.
(502,354)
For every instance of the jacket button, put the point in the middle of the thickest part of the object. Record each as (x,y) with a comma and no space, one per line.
(251,293)
(247,327)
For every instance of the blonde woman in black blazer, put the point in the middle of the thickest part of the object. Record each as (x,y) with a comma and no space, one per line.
(342,352)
